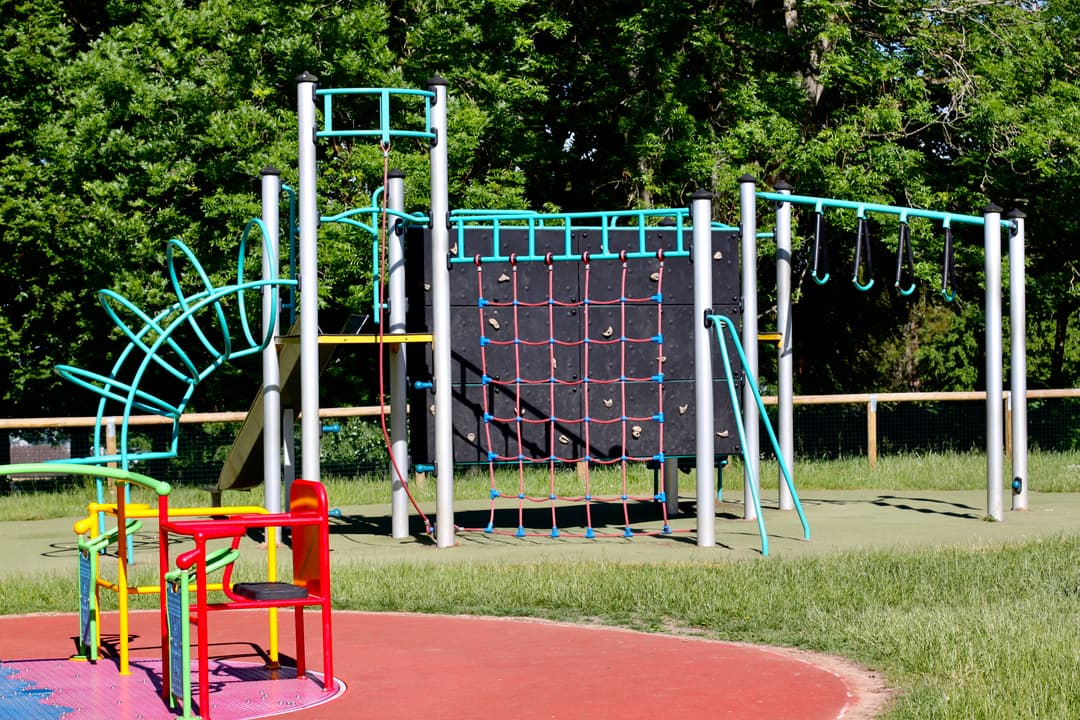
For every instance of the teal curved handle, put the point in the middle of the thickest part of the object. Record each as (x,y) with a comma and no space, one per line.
(906,291)
(821,280)
(861,286)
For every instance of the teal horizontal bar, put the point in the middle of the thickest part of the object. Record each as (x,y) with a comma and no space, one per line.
(867,207)
(375,91)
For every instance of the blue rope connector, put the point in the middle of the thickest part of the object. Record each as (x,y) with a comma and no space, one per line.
(589,533)
(658,339)
(495,493)
(659,457)
(628,533)
(666,530)
(481,302)
(484,340)
(554,532)
(520,531)
(489,529)
(658,377)
(488,417)
(658,417)
(660,496)
(492,456)
(485,379)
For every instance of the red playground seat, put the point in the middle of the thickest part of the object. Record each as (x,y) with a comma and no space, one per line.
(307,522)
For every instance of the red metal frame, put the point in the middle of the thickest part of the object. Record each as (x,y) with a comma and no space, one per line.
(310,533)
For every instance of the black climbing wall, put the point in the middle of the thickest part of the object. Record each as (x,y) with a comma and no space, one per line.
(622,376)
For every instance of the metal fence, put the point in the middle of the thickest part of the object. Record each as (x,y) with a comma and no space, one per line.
(826,426)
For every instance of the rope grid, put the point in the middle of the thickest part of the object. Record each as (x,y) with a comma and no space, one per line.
(539,317)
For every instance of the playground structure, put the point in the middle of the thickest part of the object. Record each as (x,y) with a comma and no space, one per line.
(468,424)
(580,353)
(992,224)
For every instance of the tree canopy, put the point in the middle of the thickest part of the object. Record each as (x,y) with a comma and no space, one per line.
(128,122)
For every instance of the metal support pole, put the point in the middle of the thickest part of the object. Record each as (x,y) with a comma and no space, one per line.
(1018,360)
(994,434)
(670,474)
(785,380)
(395,272)
(271,389)
(751,419)
(441,329)
(310,426)
(705,441)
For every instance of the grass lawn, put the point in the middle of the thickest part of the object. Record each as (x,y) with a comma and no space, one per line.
(991,631)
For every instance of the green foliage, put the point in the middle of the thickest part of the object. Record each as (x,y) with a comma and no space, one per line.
(128,123)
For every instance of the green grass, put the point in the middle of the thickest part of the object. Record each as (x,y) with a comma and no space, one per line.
(987,632)
(1048,472)
(960,633)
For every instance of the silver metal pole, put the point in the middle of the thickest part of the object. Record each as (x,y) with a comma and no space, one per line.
(441,329)
(994,434)
(748,213)
(785,379)
(1018,360)
(669,471)
(310,426)
(395,273)
(705,440)
(271,390)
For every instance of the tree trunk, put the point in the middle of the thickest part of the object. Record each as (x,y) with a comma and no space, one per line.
(1057,354)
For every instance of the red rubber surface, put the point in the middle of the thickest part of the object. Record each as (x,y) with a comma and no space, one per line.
(399,666)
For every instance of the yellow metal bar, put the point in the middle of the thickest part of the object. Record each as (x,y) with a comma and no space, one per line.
(271,575)
(332,339)
(121,575)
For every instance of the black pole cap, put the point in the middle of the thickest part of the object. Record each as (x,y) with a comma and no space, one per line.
(991,208)
(747,178)
(395,173)
(701,194)
(1016,214)
(782,186)
(437,80)
(270,170)
(306,77)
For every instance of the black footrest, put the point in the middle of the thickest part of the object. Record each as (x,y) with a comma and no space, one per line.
(269,591)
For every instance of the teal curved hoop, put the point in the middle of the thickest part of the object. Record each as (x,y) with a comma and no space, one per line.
(154,341)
